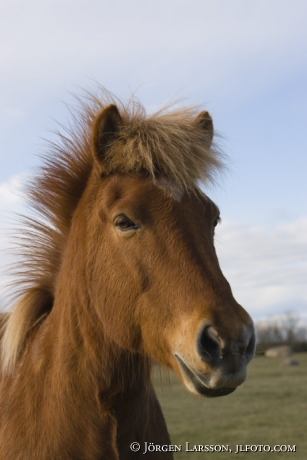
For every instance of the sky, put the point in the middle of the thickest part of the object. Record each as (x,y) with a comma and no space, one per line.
(244,61)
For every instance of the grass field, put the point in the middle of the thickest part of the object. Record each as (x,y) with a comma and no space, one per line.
(269,409)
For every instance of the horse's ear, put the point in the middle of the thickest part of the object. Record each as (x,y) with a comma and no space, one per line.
(106,128)
(204,121)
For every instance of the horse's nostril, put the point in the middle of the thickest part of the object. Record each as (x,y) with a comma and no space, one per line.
(211,347)
(209,344)
(250,349)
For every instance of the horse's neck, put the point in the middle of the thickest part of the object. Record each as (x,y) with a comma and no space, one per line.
(78,385)
(87,380)
(82,345)
(121,381)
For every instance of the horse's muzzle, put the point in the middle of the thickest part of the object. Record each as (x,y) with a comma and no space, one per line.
(221,364)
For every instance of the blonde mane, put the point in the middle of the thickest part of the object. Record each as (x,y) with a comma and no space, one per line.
(166,144)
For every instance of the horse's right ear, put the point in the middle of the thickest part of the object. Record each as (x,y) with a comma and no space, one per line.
(106,128)
(204,121)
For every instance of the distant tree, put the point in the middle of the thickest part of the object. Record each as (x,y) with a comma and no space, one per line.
(284,331)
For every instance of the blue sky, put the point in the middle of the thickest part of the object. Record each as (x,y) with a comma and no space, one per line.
(244,61)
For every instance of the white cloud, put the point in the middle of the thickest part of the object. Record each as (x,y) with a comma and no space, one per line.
(266,266)
(11,192)
(204,41)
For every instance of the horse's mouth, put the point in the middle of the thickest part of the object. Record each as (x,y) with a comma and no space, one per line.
(199,385)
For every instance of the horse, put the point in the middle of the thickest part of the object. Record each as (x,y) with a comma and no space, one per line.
(118,270)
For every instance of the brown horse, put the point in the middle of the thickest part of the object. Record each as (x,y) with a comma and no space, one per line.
(119,269)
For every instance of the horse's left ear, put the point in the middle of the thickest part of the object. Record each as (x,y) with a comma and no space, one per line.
(105,131)
(204,121)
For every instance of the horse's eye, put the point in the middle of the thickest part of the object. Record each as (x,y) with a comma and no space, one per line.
(216,221)
(124,224)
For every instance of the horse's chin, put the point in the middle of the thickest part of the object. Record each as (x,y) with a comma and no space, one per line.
(195,384)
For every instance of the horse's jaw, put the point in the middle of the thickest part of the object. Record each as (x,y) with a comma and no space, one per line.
(210,384)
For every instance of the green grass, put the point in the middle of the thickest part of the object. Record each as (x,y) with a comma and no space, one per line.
(269,409)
